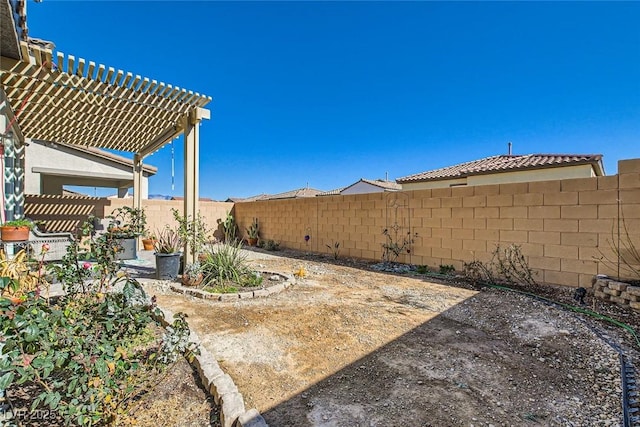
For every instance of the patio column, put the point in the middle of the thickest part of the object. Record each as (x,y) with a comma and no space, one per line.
(137,188)
(191,171)
(191,167)
(137,181)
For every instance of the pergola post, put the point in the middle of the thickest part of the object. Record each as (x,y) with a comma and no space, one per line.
(191,172)
(137,183)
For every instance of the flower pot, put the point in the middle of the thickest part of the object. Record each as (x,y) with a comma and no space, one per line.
(127,249)
(167,266)
(147,244)
(252,241)
(11,233)
(188,280)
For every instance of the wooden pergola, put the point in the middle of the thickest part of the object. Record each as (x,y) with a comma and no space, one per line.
(64,99)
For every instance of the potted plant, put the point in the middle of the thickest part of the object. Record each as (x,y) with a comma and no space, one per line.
(16,230)
(148,241)
(193,274)
(126,224)
(253,233)
(194,232)
(167,251)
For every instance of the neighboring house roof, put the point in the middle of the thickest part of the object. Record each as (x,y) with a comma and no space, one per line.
(202,199)
(296,194)
(380,183)
(66,192)
(331,192)
(248,199)
(293,194)
(507,163)
(387,185)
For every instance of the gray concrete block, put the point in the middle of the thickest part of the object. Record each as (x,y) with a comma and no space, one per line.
(232,408)
(251,418)
(261,293)
(245,295)
(220,386)
(228,297)
(209,371)
(276,288)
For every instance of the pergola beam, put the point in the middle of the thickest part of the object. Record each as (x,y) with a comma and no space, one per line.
(73,103)
(62,99)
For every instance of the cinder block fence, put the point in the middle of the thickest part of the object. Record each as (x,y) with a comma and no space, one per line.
(564,227)
(567,229)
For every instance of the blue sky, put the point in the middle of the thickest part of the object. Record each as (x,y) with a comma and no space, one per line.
(326,93)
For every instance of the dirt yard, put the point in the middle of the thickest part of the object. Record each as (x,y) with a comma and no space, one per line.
(348,346)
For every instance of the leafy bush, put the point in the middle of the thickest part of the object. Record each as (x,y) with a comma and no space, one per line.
(127,222)
(272,245)
(193,231)
(446,268)
(83,350)
(422,269)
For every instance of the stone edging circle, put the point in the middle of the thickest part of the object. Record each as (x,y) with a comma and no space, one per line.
(258,293)
(220,385)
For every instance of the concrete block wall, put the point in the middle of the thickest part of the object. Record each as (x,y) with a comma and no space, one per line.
(159,212)
(563,227)
(67,213)
(620,293)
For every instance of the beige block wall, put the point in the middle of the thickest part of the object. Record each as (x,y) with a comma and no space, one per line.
(67,213)
(564,227)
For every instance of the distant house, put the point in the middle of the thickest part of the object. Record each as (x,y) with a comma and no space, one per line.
(202,199)
(51,166)
(296,194)
(507,169)
(364,186)
(292,194)
(248,199)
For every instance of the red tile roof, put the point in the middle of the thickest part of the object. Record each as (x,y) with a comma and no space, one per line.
(507,163)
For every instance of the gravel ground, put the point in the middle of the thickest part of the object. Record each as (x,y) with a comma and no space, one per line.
(349,346)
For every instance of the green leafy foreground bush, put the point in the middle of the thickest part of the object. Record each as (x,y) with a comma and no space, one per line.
(91,352)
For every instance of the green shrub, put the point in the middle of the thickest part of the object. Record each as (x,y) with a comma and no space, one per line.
(446,268)
(225,263)
(272,245)
(84,350)
(225,266)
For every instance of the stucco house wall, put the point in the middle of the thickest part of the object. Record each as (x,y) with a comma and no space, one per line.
(362,188)
(545,174)
(50,166)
